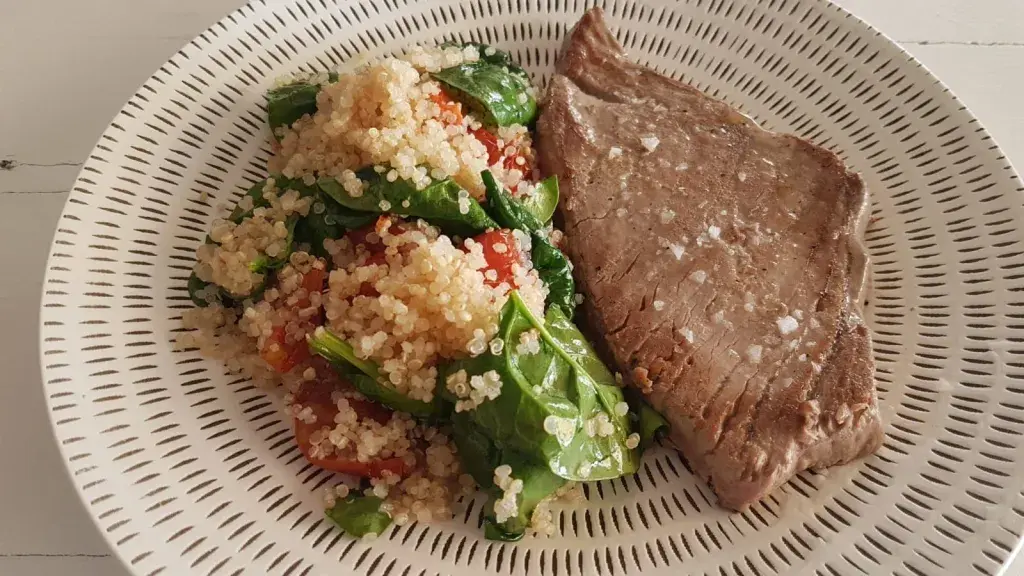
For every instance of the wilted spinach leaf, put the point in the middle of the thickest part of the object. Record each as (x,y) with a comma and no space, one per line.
(553,267)
(492,55)
(200,291)
(365,375)
(286,104)
(564,382)
(538,483)
(551,264)
(479,457)
(333,221)
(477,453)
(647,422)
(438,203)
(544,200)
(498,93)
(506,210)
(359,515)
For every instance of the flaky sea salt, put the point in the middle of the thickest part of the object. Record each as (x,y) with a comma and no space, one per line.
(754,353)
(787,324)
(614,152)
(650,143)
(677,251)
(699,276)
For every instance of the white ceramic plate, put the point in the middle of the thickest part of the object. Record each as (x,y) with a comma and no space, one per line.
(189,471)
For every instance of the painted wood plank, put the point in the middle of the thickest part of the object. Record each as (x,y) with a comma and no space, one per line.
(80,63)
(943,21)
(61,566)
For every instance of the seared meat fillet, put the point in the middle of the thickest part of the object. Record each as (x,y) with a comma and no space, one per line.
(723,268)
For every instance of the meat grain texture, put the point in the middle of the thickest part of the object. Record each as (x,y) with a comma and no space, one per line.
(723,265)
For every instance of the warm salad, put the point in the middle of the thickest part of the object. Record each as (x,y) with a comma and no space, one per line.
(399,276)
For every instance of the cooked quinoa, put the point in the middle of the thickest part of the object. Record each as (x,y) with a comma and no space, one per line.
(387,115)
(392,300)
(434,301)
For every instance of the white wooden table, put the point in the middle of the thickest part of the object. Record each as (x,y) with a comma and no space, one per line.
(67,66)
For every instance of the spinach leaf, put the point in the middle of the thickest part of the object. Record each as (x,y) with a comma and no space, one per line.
(551,264)
(506,210)
(544,200)
(256,193)
(331,222)
(358,515)
(264,263)
(438,203)
(538,484)
(647,421)
(286,104)
(554,269)
(495,91)
(479,456)
(203,295)
(494,56)
(477,453)
(365,375)
(561,387)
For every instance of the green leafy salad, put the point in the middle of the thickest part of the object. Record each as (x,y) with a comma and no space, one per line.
(400,276)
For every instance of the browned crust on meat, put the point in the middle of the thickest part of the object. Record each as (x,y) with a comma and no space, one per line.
(744,426)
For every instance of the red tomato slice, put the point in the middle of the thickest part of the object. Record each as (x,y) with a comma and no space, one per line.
(512,162)
(360,236)
(498,259)
(281,355)
(313,281)
(448,106)
(376,250)
(490,141)
(495,154)
(316,395)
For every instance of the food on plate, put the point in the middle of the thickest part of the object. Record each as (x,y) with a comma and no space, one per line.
(722,264)
(398,275)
